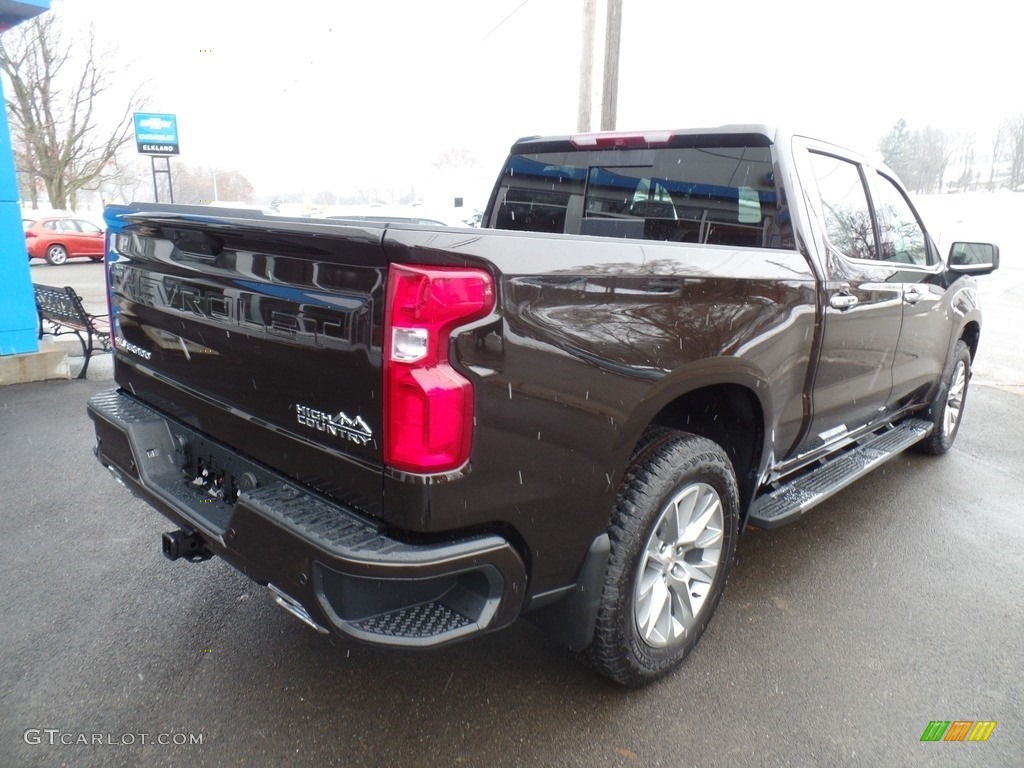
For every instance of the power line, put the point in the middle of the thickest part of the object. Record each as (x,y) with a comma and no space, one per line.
(514,12)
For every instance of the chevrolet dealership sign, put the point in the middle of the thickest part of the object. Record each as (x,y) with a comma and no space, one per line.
(156,134)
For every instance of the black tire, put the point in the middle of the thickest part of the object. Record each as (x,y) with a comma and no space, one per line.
(56,255)
(638,637)
(947,409)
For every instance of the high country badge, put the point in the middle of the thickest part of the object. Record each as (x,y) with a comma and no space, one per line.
(338,424)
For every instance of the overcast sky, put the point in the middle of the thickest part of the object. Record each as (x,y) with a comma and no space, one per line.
(345,94)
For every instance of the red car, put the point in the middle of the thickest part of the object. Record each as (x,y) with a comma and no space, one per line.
(63,238)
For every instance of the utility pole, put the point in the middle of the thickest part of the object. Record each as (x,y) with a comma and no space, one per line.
(610,73)
(586,67)
(610,83)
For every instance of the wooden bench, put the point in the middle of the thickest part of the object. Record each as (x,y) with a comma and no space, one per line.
(63,311)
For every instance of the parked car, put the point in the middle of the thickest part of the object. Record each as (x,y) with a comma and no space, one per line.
(58,239)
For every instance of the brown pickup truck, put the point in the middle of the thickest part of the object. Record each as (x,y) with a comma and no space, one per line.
(413,435)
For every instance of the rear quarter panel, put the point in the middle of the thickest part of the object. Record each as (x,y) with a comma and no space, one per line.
(594,337)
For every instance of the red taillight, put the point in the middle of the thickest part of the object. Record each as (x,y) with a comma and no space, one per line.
(428,406)
(108,241)
(30,234)
(624,140)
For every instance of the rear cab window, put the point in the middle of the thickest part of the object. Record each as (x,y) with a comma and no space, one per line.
(723,194)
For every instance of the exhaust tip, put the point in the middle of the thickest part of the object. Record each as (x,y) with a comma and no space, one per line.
(116,475)
(296,609)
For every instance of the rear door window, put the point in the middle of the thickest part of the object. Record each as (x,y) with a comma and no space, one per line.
(844,202)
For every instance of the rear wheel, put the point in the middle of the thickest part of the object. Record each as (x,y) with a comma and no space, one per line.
(56,254)
(947,409)
(673,537)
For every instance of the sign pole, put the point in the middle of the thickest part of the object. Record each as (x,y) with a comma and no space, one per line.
(166,171)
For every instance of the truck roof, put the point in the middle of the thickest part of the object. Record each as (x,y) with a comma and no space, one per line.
(759,133)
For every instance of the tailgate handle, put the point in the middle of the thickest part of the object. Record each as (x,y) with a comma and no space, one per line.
(195,244)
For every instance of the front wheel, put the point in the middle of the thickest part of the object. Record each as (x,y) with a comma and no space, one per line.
(947,409)
(56,255)
(673,537)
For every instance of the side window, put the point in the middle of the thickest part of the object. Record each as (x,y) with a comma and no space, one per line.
(900,235)
(537,192)
(88,227)
(844,202)
(533,210)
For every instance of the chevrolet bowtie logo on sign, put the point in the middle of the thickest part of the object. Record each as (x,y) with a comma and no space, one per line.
(156,134)
(958,730)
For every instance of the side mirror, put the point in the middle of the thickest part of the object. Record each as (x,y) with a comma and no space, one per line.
(973,258)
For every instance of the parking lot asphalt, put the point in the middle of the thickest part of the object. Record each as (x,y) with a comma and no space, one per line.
(896,603)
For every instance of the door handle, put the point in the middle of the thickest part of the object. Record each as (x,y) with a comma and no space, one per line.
(842,301)
(913,295)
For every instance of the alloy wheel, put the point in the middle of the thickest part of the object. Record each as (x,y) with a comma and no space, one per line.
(678,565)
(56,254)
(955,399)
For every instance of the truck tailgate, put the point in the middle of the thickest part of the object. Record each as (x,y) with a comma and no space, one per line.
(260,337)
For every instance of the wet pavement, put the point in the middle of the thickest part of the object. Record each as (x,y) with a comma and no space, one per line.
(840,638)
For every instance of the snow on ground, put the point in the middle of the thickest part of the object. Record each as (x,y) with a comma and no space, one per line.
(985,216)
(993,217)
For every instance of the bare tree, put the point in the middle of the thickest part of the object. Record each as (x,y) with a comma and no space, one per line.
(896,148)
(28,180)
(55,97)
(457,157)
(998,146)
(128,181)
(1015,149)
(966,158)
(204,185)
(325,197)
(919,157)
(932,152)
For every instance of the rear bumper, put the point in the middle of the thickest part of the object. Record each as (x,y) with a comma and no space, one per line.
(327,563)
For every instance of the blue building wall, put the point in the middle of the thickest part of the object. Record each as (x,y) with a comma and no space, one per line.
(18,320)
